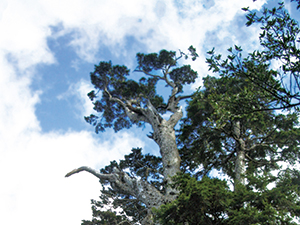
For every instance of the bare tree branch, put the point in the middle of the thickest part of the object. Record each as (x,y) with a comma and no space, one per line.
(123,183)
(149,74)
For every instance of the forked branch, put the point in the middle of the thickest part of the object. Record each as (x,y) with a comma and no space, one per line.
(123,183)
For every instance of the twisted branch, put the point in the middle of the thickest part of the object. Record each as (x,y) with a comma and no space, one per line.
(123,183)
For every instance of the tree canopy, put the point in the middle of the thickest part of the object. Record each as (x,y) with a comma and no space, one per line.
(124,100)
(217,129)
(279,40)
(249,148)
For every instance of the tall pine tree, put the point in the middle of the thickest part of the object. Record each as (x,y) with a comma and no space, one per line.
(124,102)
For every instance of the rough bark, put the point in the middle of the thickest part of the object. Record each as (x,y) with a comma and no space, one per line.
(164,136)
(240,167)
(123,183)
(240,154)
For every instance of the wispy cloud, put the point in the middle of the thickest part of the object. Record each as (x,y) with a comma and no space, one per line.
(77,96)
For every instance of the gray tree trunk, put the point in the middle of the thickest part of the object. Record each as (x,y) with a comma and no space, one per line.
(164,136)
(240,155)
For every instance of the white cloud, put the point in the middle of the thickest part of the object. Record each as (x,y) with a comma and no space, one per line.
(23,26)
(93,23)
(156,24)
(17,104)
(33,175)
(82,103)
(33,164)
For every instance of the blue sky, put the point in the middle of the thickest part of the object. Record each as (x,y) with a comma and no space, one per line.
(47,50)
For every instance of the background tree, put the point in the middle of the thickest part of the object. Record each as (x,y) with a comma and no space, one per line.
(298,2)
(200,202)
(279,40)
(123,102)
(220,134)
(249,148)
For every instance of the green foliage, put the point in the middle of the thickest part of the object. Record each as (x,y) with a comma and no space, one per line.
(146,167)
(154,61)
(165,61)
(193,53)
(267,199)
(135,164)
(199,202)
(118,92)
(207,137)
(107,218)
(210,201)
(183,75)
(112,80)
(298,2)
(247,92)
(279,38)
